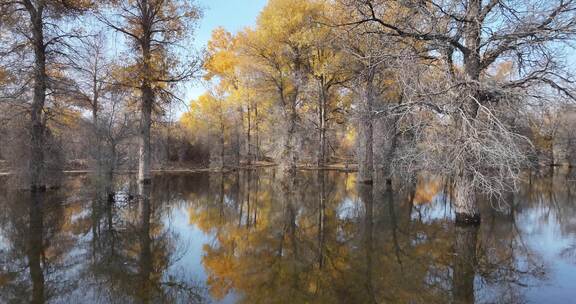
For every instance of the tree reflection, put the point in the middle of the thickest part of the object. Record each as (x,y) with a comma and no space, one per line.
(312,237)
(135,251)
(116,249)
(35,250)
(35,247)
(464,264)
(319,241)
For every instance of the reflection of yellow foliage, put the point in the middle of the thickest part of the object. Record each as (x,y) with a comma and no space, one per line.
(287,257)
(426,190)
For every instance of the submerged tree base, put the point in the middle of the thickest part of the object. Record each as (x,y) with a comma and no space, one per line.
(366,182)
(146,181)
(463,219)
(38,188)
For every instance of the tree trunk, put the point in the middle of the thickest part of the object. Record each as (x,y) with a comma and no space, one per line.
(387,142)
(168,131)
(465,203)
(145,125)
(289,157)
(238,130)
(36,114)
(249,136)
(257,130)
(321,160)
(97,135)
(472,60)
(366,134)
(147,102)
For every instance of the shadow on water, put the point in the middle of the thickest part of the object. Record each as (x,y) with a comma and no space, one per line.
(266,237)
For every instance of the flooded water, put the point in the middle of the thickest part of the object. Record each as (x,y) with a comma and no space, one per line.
(252,237)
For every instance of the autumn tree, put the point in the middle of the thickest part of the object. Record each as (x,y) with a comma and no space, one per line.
(329,69)
(154,30)
(211,114)
(37,25)
(223,64)
(279,49)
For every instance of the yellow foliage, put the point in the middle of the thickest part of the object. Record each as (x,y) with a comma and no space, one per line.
(207,114)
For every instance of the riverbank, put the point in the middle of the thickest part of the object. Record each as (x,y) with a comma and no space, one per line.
(343,167)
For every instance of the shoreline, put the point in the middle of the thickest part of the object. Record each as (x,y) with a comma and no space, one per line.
(304,167)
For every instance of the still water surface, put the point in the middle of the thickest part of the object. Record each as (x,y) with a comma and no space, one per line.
(252,237)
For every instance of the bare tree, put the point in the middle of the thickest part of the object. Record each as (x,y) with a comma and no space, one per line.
(90,70)
(474,139)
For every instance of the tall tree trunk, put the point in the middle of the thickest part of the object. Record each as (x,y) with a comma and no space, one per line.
(145,125)
(321,161)
(467,211)
(387,143)
(289,157)
(249,136)
(238,130)
(97,134)
(37,181)
(147,102)
(365,140)
(257,130)
(168,131)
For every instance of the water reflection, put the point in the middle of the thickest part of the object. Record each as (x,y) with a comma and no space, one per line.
(81,246)
(263,237)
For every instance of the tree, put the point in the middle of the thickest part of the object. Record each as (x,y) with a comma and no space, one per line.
(279,51)
(328,68)
(211,114)
(91,71)
(372,63)
(36,25)
(479,146)
(154,29)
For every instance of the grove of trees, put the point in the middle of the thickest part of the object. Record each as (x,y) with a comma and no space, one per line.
(474,91)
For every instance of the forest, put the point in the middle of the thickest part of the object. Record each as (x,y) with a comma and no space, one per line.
(325,151)
(475,91)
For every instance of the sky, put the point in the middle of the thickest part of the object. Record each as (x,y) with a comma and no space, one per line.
(233,15)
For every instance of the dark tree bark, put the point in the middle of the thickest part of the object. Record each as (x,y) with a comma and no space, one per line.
(39,98)
(146,105)
(366,131)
